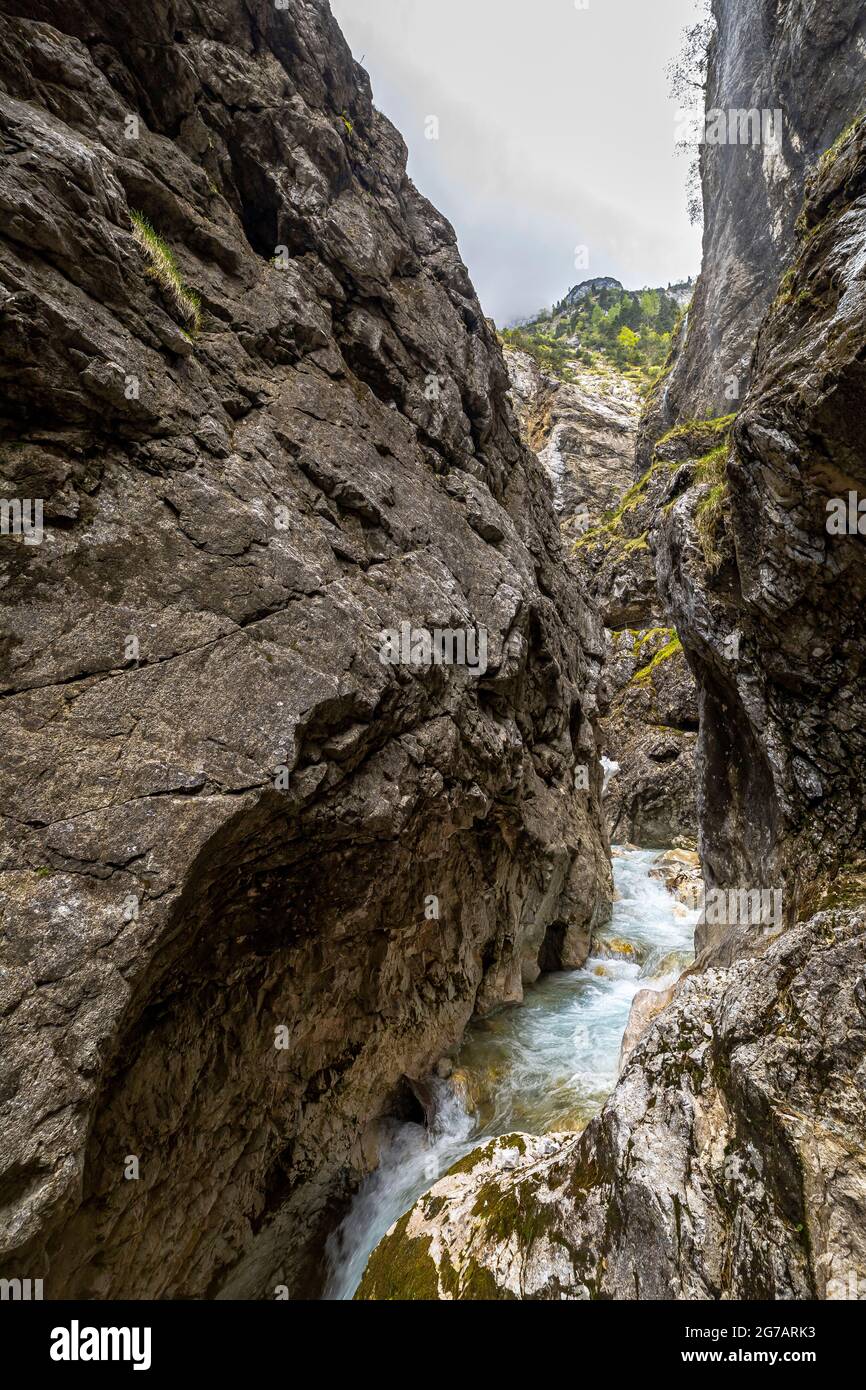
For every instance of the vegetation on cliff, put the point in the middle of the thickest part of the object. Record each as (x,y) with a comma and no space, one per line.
(602,327)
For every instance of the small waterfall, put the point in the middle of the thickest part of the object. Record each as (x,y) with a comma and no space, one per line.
(412,1159)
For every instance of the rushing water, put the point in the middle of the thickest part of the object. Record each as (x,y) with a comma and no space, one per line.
(548,1064)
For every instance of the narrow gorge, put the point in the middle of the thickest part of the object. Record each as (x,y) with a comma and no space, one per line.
(433,861)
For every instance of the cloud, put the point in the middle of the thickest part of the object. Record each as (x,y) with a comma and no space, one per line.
(556,130)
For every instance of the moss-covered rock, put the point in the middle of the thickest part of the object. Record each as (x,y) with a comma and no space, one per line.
(727,1163)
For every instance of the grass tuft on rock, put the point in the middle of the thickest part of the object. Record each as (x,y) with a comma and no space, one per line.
(709,512)
(165,270)
(829,157)
(709,515)
(720,425)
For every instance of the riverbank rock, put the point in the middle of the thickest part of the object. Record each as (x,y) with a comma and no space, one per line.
(646,1005)
(253,874)
(680,872)
(727,1163)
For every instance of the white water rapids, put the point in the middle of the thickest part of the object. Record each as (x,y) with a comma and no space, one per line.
(548,1064)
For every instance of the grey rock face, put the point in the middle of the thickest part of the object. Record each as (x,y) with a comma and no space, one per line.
(252,876)
(729,1161)
(807,61)
(584,433)
(650,729)
(773,626)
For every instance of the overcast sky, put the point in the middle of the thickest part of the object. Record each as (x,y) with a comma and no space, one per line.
(556,130)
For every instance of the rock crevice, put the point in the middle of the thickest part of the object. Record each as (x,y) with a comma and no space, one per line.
(253,874)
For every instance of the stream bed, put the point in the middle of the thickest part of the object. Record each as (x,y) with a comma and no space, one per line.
(545,1065)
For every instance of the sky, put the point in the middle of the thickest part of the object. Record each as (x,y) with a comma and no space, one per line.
(555,132)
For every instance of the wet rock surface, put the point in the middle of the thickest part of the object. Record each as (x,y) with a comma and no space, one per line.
(252,876)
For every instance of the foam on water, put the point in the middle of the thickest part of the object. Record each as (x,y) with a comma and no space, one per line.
(548,1064)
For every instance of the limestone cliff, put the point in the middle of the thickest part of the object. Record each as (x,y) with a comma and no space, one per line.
(584,431)
(252,875)
(800,67)
(762,596)
(729,1162)
(772,624)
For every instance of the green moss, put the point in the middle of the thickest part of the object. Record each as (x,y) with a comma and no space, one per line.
(401,1267)
(470,1162)
(829,157)
(479,1285)
(721,424)
(609,526)
(516,1212)
(710,468)
(845,889)
(645,675)
(515,1141)
(708,518)
(785,292)
(648,634)
(165,271)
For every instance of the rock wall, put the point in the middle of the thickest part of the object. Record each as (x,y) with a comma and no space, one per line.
(803,58)
(584,433)
(252,876)
(728,1162)
(763,597)
(728,1165)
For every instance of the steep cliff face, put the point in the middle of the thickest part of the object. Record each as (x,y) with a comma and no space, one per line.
(583,430)
(649,729)
(584,433)
(757,589)
(729,1161)
(728,1164)
(253,876)
(803,59)
(764,596)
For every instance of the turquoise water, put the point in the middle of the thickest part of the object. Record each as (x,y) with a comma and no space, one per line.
(547,1064)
